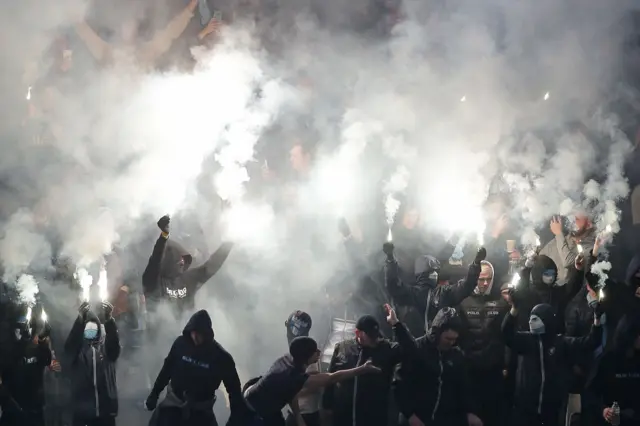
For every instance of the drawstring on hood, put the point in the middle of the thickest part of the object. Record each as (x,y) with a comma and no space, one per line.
(200,322)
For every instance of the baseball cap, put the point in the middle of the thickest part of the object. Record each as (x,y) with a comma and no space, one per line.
(299,323)
(369,326)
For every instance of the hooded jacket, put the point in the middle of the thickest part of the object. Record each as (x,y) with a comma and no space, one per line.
(196,371)
(424,293)
(369,393)
(563,251)
(165,278)
(481,340)
(544,362)
(93,362)
(23,375)
(429,383)
(616,377)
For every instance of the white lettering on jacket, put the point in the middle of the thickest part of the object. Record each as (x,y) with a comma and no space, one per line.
(177,294)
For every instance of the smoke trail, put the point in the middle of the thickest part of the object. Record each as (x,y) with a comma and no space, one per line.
(85,280)
(27,289)
(102,284)
(396,184)
(601,269)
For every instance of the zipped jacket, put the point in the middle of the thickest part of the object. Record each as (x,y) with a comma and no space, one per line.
(93,375)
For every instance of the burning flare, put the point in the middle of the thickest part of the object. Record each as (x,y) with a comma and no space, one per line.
(514,281)
(579,247)
(85,281)
(44,316)
(102,284)
(29,311)
(389,236)
(601,294)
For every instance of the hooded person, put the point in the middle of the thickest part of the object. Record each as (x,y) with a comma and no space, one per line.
(23,375)
(169,275)
(481,341)
(431,386)
(544,355)
(424,293)
(616,379)
(192,372)
(363,401)
(267,395)
(92,349)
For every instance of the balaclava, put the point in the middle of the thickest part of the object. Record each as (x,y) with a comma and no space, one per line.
(541,319)
(426,268)
(23,330)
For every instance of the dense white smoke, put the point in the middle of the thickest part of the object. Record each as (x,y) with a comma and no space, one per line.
(27,289)
(396,184)
(85,280)
(22,245)
(601,270)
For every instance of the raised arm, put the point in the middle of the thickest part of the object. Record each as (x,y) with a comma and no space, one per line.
(152,271)
(99,49)
(196,277)
(163,39)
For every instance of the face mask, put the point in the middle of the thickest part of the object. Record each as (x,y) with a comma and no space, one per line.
(536,326)
(591,300)
(549,276)
(90,334)
(433,276)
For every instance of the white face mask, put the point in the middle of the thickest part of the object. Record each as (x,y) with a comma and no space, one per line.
(536,326)
(433,276)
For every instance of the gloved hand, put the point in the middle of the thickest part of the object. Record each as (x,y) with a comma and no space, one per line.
(152,402)
(163,223)
(83,310)
(515,297)
(107,310)
(45,332)
(598,310)
(388,248)
(480,256)
(343,227)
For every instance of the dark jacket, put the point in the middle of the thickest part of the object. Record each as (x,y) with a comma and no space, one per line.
(23,375)
(429,383)
(93,364)
(196,371)
(370,393)
(424,294)
(163,278)
(543,364)
(616,377)
(481,338)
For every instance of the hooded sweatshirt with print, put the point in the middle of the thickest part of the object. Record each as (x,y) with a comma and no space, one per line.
(93,362)
(616,377)
(196,371)
(432,384)
(169,275)
(481,340)
(543,362)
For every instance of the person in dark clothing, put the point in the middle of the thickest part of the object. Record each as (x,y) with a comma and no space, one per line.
(545,357)
(92,349)
(267,395)
(168,274)
(299,324)
(363,401)
(424,293)
(431,385)
(193,371)
(481,341)
(616,378)
(23,375)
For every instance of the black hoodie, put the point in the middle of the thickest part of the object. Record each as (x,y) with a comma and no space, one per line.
(93,365)
(432,384)
(543,364)
(196,371)
(616,377)
(165,278)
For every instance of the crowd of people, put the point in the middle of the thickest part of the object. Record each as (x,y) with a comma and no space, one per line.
(425,331)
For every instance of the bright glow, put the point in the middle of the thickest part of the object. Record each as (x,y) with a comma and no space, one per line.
(44,316)
(246,222)
(29,311)
(102,284)
(579,248)
(537,242)
(391,206)
(389,236)
(607,229)
(514,281)
(463,99)
(85,281)
(29,93)
(546,96)
(397,183)
(27,288)
(601,294)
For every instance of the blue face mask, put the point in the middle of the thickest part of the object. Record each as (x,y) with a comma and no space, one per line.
(549,276)
(90,334)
